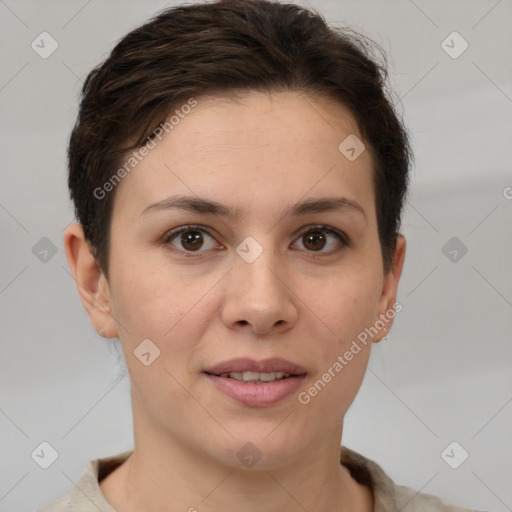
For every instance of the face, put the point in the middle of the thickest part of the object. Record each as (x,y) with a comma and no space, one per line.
(279,274)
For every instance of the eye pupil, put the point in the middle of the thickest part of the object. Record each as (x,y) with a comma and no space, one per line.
(312,238)
(192,238)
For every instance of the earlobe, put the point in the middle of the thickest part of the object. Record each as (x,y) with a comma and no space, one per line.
(90,281)
(387,304)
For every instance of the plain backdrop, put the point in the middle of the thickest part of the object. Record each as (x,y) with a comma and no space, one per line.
(443,376)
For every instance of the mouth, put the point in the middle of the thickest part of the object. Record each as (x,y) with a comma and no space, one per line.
(252,371)
(254,377)
(257,383)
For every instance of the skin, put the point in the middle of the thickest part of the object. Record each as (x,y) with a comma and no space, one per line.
(303,302)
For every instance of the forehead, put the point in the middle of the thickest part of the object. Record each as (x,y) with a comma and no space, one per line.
(250,121)
(249,147)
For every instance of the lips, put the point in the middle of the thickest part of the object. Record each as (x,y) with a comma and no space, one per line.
(257,383)
(241,365)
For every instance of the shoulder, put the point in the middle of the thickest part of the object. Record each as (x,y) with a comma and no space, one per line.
(86,494)
(388,496)
(62,504)
(409,500)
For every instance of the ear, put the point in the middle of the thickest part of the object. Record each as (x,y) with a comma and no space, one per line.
(90,281)
(387,299)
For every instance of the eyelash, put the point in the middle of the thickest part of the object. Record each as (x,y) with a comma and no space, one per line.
(171,235)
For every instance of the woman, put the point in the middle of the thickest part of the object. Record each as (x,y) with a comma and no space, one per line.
(238,175)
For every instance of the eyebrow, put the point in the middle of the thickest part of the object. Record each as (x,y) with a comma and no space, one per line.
(206,206)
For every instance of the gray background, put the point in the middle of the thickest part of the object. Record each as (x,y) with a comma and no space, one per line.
(444,374)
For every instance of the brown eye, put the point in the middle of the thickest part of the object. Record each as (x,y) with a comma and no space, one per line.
(317,238)
(314,240)
(190,239)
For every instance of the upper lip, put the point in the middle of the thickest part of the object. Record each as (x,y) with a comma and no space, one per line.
(246,364)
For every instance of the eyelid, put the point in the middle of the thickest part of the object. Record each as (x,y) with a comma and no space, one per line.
(343,238)
(173,233)
(187,227)
(329,229)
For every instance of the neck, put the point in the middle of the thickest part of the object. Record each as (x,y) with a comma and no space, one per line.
(164,474)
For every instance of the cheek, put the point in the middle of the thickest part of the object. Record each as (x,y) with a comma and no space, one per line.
(340,357)
(150,303)
(172,308)
(163,309)
(347,308)
(347,303)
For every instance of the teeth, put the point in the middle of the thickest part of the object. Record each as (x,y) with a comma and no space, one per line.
(256,377)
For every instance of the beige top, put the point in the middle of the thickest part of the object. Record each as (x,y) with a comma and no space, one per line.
(86,495)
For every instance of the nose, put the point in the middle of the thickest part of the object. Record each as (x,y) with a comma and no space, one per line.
(259,296)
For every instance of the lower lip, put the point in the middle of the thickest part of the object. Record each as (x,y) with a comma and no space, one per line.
(257,395)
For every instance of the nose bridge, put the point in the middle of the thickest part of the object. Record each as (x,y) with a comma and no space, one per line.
(257,291)
(257,264)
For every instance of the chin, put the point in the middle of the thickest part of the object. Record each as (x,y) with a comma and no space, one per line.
(259,451)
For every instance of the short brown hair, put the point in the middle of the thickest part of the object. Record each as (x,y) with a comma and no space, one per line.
(230,45)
